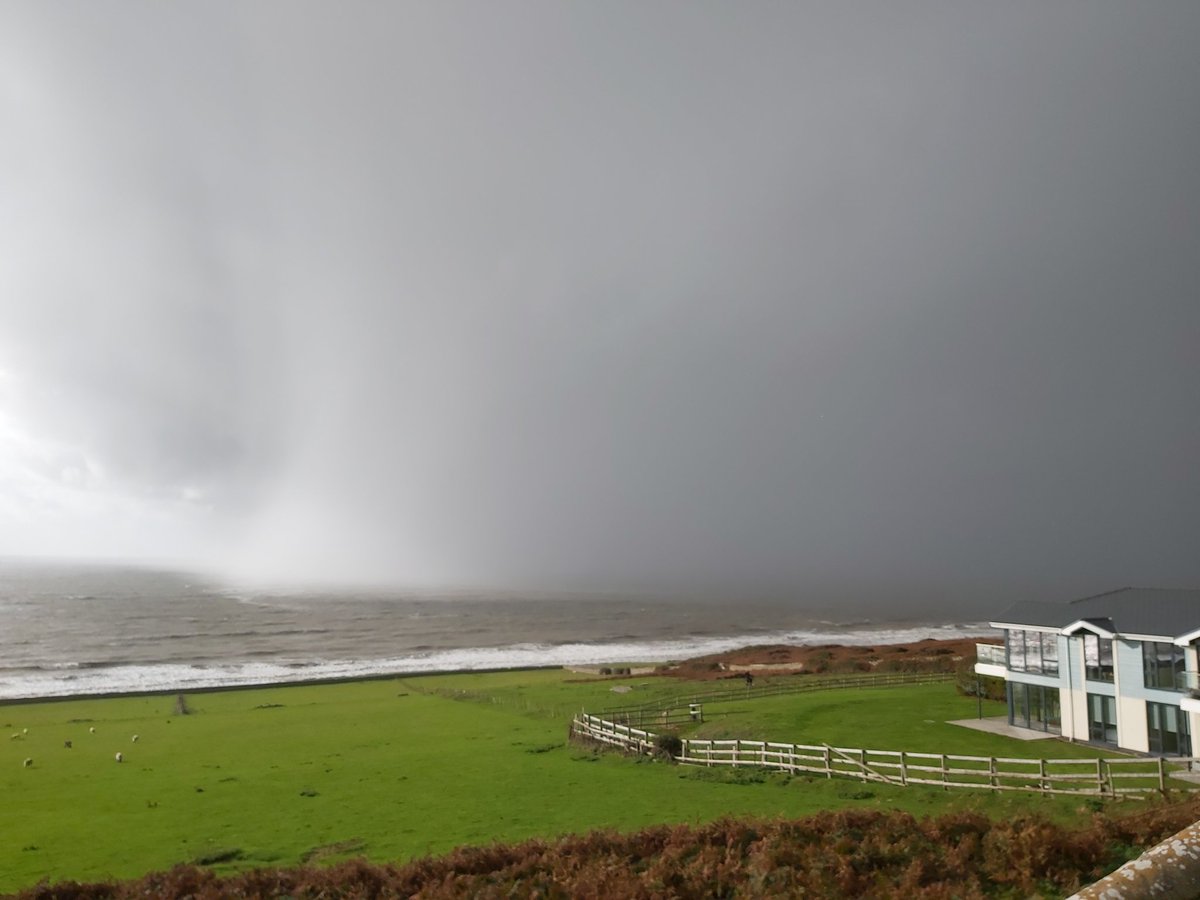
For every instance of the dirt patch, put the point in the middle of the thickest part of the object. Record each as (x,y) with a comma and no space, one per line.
(340,848)
(781,659)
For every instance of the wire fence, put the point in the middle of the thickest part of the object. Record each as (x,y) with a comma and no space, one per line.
(677,710)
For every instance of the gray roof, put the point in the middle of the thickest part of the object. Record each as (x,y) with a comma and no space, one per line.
(1161,612)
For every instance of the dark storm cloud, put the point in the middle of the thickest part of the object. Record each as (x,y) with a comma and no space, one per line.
(130,297)
(781,296)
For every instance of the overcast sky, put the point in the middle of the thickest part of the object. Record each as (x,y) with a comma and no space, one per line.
(881,297)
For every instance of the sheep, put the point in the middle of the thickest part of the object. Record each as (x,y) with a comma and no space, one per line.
(135,737)
(16,737)
(120,757)
(67,744)
(92,730)
(28,763)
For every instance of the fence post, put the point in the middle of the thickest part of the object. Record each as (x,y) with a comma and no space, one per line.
(1162,775)
(756,754)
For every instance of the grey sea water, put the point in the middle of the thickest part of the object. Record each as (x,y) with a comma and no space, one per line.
(75,630)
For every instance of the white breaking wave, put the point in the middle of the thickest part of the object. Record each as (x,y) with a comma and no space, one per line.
(134,679)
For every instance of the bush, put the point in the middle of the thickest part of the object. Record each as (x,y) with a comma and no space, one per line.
(851,853)
(989,687)
(668,745)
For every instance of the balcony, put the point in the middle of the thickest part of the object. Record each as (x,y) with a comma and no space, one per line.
(1189,683)
(990,660)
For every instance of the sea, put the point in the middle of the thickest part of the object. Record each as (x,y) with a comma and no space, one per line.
(83,630)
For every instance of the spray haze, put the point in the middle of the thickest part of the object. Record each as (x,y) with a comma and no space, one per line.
(835,298)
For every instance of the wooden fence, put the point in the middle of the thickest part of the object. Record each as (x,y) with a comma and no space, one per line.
(1096,777)
(623,737)
(677,710)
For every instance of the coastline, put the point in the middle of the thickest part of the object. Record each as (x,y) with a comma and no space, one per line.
(71,636)
(763,660)
(260,685)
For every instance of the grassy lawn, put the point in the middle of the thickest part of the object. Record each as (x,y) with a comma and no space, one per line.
(550,693)
(396,768)
(896,718)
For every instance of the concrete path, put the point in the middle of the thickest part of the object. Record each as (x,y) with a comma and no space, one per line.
(999,725)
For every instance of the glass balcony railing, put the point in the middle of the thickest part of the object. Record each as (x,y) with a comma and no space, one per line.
(992,654)
(1190,682)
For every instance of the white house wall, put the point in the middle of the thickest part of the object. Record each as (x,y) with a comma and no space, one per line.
(1132,729)
(1073,692)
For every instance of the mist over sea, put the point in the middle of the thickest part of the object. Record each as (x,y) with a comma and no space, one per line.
(73,630)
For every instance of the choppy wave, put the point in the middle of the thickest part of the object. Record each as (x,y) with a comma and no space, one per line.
(75,680)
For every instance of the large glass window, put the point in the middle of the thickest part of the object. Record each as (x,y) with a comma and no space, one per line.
(1014,642)
(1168,727)
(1049,653)
(1032,651)
(1098,657)
(1053,710)
(1163,665)
(1102,719)
(1034,706)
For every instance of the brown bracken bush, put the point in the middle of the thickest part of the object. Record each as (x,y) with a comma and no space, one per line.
(856,853)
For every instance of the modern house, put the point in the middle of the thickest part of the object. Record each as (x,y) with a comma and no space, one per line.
(1117,669)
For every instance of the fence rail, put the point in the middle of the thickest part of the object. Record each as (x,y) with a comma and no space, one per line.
(675,710)
(1095,777)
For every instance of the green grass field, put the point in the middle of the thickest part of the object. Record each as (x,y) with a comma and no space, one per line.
(399,768)
(892,718)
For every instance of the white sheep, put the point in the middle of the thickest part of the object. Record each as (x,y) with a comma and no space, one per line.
(135,737)
(92,729)
(120,757)
(28,763)
(16,737)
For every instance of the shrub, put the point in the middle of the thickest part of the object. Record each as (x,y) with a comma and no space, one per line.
(668,745)
(849,853)
(989,687)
